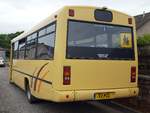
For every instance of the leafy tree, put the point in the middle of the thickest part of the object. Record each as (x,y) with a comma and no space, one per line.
(144,40)
(5,41)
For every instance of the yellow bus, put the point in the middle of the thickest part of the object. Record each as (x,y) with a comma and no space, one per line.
(78,53)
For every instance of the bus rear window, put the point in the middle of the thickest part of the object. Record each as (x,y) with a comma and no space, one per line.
(88,40)
(103,15)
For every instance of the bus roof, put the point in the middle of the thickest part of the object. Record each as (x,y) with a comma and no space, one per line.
(52,18)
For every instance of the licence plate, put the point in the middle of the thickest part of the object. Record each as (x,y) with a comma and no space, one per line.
(100,96)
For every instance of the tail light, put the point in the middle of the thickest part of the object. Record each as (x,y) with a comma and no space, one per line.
(66,75)
(133,74)
(71,12)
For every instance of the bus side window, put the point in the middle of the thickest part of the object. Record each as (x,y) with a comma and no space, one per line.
(45,46)
(12,50)
(31,46)
(15,50)
(22,48)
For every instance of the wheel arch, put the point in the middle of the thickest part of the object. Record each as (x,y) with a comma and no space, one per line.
(26,82)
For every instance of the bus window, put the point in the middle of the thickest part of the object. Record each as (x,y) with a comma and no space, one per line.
(33,36)
(22,48)
(42,32)
(103,15)
(12,49)
(50,28)
(30,48)
(45,46)
(45,49)
(99,41)
(15,55)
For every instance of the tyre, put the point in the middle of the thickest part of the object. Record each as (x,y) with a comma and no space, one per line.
(30,97)
(11,82)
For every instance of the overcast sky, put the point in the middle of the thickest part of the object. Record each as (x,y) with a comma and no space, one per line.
(18,15)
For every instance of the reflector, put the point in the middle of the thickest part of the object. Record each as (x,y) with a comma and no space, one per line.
(133,74)
(71,12)
(129,20)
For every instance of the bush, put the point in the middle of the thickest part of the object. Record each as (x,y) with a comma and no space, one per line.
(144,40)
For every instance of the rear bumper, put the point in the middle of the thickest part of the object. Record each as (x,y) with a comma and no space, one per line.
(81,95)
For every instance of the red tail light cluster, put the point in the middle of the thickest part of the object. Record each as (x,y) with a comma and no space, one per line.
(66,75)
(133,74)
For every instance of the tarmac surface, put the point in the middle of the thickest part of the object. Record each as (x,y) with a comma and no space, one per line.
(13,100)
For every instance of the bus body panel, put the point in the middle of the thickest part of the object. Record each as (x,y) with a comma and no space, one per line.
(88,76)
(26,69)
(83,73)
(94,74)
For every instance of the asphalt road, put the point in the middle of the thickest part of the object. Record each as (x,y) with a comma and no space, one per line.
(13,100)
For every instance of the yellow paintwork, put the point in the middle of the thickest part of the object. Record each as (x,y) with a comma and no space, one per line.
(87,76)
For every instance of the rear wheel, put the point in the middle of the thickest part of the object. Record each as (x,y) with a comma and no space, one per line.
(30,97)
(10,82)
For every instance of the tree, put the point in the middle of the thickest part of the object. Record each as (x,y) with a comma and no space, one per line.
(5,41)
(144,40)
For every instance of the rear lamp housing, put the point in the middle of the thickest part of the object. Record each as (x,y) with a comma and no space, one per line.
(66,75)
(133,74)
